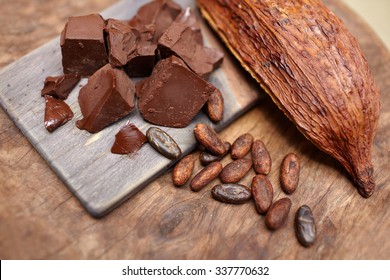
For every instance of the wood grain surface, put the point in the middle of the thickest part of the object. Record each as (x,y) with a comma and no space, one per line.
(41,219)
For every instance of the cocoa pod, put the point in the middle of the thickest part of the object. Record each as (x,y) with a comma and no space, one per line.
(205,176)
(277,214)
(314,70)
(262,193)
(207,137)
(183,170)
(235,171)
(261,158)
(289,173)
(241,146)
(215,106)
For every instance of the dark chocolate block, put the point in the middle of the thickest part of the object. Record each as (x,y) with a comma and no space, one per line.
(82,45)
(173,94)
(108,96)
(122,41)
(142,60)
(57,113)
(61,86)
(128,140)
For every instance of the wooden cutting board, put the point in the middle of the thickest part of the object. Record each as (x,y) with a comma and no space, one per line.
(99,179)
(40,219)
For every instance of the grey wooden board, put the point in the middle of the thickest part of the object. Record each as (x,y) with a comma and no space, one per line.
(99,179)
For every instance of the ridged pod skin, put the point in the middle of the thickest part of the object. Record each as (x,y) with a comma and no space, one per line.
(304,57)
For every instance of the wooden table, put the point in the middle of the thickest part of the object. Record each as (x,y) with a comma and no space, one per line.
(41,219)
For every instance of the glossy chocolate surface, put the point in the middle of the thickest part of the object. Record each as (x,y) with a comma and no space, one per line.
(60,86)
(128,140)
(57,113)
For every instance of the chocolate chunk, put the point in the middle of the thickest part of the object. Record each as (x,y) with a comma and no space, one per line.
(163,143)
(82,45)
(142,60)
(173,94)
(121,41)
(128,140)
(57,113)
(156,17)
(60,86)
(108,96)
(188,18)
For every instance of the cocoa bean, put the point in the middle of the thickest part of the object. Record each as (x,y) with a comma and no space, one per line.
(260,157)
(231,193)
(289,173)
(183,170)
(207,137)
(205,176)
(262,192)
(215,106)
(207,158)
(242,146)
(305,228)
(235,171)
(277,214)
(163,143)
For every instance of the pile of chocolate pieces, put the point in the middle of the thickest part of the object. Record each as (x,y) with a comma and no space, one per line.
(161,42)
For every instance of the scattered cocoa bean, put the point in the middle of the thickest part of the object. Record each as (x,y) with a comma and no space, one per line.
(235,171)
(215,106)
(289,173)
(207,158)
(163,143)
(305,228)
(242,146)
(205,176)
(277,214)
(261,158)
(183,170)
(207,137)
(262,192)
(231,193)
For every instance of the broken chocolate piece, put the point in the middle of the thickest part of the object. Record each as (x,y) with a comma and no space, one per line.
(182,40)
(108,96)
(121,41)
(142,60)
(57,113)
(173,94)
(188,18)
(60,86)
(82,45)
(128,140)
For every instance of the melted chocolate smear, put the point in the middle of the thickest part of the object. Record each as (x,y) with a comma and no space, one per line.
(57,113)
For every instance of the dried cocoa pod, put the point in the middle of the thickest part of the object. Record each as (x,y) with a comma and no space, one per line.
(207,137)
(261,158)
(235,171)
(289,173)
(205,176)
(262,192)
(313,68)
(241,146)
(215,106)
(183,170)
(207,158)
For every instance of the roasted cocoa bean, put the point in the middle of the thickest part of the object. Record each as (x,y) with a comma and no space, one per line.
(163,143)
(260,157)
(205,176)
(262,192)
(305,228)
(215,106)
(289,173)
(207,158)
(235,171)
(231,193)
(183,170)
(241,146)
(277,214)
(207,137)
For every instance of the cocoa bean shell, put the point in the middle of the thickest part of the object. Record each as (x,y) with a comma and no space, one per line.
(235,171)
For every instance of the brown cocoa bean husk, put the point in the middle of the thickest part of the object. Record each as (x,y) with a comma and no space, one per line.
(207,158)
(205,176)
(304,57)
(183,170)
(215,106)
(207,137)
(235,171)
(262,193)
(289,173)
(277,214)
(305,227)
(241,146)
(261,158)
(231,193)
